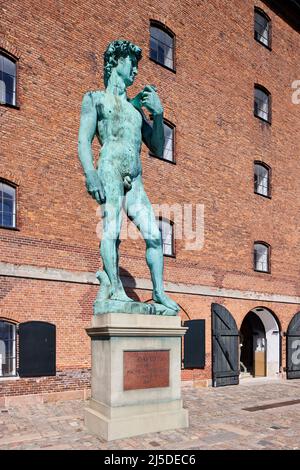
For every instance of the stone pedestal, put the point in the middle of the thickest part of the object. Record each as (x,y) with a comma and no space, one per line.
(136,369)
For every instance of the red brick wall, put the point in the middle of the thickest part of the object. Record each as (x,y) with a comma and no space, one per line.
(64,381)
(67,305)
(209,99)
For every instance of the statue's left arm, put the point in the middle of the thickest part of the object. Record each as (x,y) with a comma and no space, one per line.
(153,136)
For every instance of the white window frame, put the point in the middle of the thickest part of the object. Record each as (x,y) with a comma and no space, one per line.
(261,179)
(162,39)
(169,147)
(261,255)
(3,348)
(262,103)
(10,189)
(166,228)
(6,59)
(262,28)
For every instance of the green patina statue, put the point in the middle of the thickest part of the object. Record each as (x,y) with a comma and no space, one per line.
(120,126)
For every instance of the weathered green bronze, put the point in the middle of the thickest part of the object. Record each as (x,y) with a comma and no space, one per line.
(120,126)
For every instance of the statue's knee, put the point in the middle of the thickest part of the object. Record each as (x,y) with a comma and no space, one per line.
(111,232)
(154,242)
(109,242)
(156,235)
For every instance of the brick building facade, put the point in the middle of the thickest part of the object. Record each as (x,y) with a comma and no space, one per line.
(48,260)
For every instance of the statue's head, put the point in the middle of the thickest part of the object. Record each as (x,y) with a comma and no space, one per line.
(122,54)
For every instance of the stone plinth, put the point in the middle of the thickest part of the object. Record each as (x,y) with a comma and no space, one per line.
(136,375)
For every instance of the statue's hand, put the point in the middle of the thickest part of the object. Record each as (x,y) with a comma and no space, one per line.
(151,101)
(94,186)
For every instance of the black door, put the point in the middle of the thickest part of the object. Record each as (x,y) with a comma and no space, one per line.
(36,349)
(225,347)
(293,348)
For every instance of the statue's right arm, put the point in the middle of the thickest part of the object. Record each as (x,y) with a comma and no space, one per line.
(87,132)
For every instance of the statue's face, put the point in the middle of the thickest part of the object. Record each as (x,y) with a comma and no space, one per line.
(127,69)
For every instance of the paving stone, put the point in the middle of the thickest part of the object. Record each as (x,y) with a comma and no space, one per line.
(217,421)
(266,443)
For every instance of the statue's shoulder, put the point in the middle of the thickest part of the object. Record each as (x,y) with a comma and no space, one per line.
(94,97)
(97,95)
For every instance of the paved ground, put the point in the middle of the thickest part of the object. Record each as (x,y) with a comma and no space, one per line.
(217,421)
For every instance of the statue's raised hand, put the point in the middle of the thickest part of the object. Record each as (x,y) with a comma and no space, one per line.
(94,186)
(150,100)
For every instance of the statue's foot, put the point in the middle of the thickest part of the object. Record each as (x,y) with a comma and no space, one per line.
(120,294)
(103,294)
(162,298)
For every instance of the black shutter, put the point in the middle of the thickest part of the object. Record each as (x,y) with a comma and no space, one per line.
(194,344)
(37,349)
(225,347)
(293,348)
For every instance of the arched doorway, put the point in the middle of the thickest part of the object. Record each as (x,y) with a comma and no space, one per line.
(253,346)
(260,344)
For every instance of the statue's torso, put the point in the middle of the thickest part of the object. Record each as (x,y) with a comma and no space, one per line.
(119,130)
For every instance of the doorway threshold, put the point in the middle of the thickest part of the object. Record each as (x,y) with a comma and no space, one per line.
(246,380)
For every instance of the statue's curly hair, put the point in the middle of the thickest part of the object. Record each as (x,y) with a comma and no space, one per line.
(115,50)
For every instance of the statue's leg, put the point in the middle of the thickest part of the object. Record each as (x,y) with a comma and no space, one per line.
(112,220)
(105,290)
(120,293)
(140,211)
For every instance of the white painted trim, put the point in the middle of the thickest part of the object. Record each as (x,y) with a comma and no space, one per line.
(272,341)
(47,274)
(62,275)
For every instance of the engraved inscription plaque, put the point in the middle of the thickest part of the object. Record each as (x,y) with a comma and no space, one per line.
(146,369)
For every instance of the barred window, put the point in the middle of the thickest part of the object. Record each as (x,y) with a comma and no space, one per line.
(261,257)
(7,349)
(166,227)
(162,45)
(262,27)
(7,205)
(261,179)
(262,108)
(8,73)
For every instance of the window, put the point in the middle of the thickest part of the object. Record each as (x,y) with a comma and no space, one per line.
(8,73)
(261,179)
(7,206)
(35,352)
(162,45)
(169,147)
(262,28)
(166,228)
(261,257)
(7,349)
(262,107)
(169,131)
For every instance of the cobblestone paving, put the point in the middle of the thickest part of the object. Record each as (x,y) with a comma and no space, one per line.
(217,421)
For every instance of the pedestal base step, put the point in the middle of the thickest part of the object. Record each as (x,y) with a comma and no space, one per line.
(120,428)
